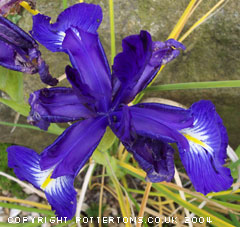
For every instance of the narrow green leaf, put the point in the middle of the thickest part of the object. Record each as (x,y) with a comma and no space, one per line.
(112,30)
(2,224)
(229,205)
(53,129)
(201,213)
(138,98)
(235,219)
(194,85)
(217,214)
(24,110)
(137,207)
(229,197)
(19,125)
(28,209)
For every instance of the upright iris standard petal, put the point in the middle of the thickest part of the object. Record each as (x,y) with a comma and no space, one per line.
(129,66)
(82,90)
(208,142)
(88,57)
(138,64)
(74,147)
(59,192)
(87,17)
(56,105)
(19,52)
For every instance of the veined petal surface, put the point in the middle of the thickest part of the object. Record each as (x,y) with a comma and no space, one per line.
(161,128)
(88,57)
(206,156)
(172,116)
(88,17)
(129,66)
(155,157)
(58,104)
(82,90)
(73,147)
(137,65)
(60,191)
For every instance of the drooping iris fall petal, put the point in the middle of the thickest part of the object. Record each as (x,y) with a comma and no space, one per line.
(71,150)
(59,191)
(206,156)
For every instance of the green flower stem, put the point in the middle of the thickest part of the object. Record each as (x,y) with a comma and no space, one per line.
(194,85)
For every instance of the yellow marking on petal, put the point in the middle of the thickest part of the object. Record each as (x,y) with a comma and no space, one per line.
(195,140)
(29,8)
(46,182)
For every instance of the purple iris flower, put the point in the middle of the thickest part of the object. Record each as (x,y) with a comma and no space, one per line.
(19,52)
(98,99)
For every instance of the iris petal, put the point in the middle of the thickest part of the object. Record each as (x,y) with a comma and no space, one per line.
(155,157)
(138,64)
(73,148)
(19,52)
(164,52)
(88,57)
(129,66)
(150,126)
(174,117)
(84,93)
(56,105)
(59,192)
(208,142)
(85,16)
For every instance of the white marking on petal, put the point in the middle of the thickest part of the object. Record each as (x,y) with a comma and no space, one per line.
(198,136)
(77,33)
(61,36)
